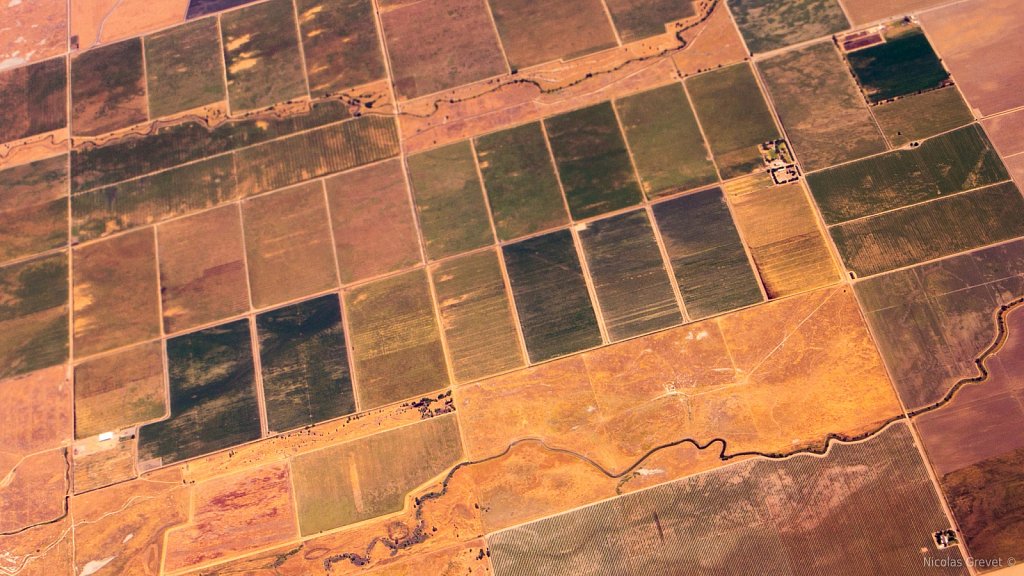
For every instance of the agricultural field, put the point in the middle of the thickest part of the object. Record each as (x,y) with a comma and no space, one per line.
(119,390)
(904,64)
(108,88)
(768,25)
(34,314)
(537,31)
(184,68)
(33,208)
(637,19)
(34,98)
(919,116)
(339,43)
(37,31)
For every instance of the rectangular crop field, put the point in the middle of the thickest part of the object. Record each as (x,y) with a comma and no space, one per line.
(666,143)
(904,64)
(372,220)
(708,259)
(261,50)
(551,296)
(931,230)
(305,364)
(35,99)
(33,315)
(818,103)
(735,117)
(592,160)
(340,43)
(108,88)
(116,296)
(633,288)
(636,19)
(537,31)
(33,207)
(519,175)
(768,25)
(213,396)
(184,68)
(120,390)
(449,200)
(953,162)
(476,315)
(396,343)
(288,244)
(919,116)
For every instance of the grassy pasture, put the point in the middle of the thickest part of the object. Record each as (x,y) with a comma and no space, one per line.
(537,31)
(33,315)
(592,161)
(340,44)
(33,207)
(953,162)
(184,68)
(919,116)
(902,65)
(666,143)
(261,53)
(768,25)
(519,175)
(35,99)
(636,19)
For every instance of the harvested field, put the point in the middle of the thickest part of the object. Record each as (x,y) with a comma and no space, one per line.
(373,223)
(316,153)
(120,390)
(449,200)
(537,31)
(734,116)
(340,44)
(202,269)
(708,259)
(33,31)
(767,25)
(112,463)
(920,116)
(749,519)
(865,11)
(592,160)
(476,315)
(636,19)
(213,397)
(34,100)
(666,144)
(116,297)
(261,52)
(305,364)
(108,88)
(396,344)
(33,208)
(184,68)
(975,40)
(350,482)
(632,286)
(1005,131)
(288,244)
(95,22)
(931,321)
(234,514)
(435,45)
(519,175)
(931,230)
(953,162)
(824,114)
(163,195)
(788,249)
(902,65)
(551,297)
(33,315)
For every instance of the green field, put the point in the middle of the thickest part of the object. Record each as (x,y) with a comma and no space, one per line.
(213,396)
(340,44)
(953,162)
(184,68)
(734,116)
(668,149)
(449,200)
(710,265)
(261,50)
(931,230)
(769,24)
(304,363)
(477,316)
(633,288)
(551,296)
(904,64)
(922,115)
(33,207)
(592,161)
(519,176)
(33,315)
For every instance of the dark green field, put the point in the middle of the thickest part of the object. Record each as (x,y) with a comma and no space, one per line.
(35,99)
(734,116)
(633,288)
(592,161)
(768,24)
(953,162)
(33,315)
(33,207)
(519,176)
(340,43)
(108,88)
(261,50)
(922,115)
(153,198)
(931,230)
(904,64)
(449,200)
(304,363)
(396,344)
(666,143)
(477,316)
(551,296)
(710,265)
(184,68)
(213,396)
(636,19)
